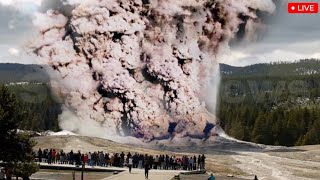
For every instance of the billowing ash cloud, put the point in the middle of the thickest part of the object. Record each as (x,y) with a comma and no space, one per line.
(142,68)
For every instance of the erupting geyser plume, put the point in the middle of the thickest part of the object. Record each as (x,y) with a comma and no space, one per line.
(142,68)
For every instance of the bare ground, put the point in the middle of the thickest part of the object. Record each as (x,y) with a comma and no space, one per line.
(224,156)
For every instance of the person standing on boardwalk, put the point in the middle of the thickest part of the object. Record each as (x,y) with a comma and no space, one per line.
(146,166)
(40,155)
(50,157)
(130,163)
(121,159)
(146,169)
(203,162)
(53,156)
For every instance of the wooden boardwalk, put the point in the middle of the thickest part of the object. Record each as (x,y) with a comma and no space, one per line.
(137,174)
(75,168)
(123,173)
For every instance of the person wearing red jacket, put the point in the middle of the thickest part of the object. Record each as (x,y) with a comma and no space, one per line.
(86,159)
(53,155)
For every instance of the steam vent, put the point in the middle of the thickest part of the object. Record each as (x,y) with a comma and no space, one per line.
(143,68)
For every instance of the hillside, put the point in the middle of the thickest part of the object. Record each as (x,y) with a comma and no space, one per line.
(302,67)
(39,106)
(22,73)
(275,104)
(27,73)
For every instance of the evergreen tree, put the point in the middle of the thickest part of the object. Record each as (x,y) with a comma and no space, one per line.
(16,149)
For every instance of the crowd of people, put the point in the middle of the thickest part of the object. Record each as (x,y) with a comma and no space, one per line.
(99,158)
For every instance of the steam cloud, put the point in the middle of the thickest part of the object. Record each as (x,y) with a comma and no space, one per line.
(142,68)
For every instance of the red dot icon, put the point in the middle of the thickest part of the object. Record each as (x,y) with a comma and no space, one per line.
(303,7)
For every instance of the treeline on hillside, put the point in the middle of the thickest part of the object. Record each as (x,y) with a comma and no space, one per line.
(10,73)
(274,69)
(39,107)
(286,127)
(276,104)
(271,110)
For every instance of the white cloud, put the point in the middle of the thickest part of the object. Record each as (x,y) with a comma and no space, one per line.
(16,2)
(265,52)
(288,38)
(13,51)
(24,6)
(232,56)
(11,54)
(316,55)
(244,58)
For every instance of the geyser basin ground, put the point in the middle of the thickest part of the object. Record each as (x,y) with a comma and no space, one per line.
(224,156)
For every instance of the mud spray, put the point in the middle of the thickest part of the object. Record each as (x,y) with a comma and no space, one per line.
(147,69)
